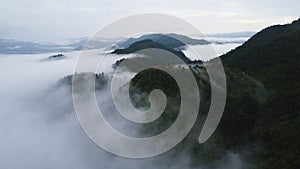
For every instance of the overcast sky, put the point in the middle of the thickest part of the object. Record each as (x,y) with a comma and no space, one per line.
(52,20)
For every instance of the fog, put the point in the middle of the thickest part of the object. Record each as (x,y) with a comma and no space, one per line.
(39,128)
(206,53)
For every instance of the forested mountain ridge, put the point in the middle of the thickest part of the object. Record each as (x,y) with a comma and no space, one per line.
(272,57)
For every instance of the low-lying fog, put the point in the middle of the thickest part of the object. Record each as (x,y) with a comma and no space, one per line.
(39,128)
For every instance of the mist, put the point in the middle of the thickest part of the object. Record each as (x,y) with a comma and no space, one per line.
(39,128)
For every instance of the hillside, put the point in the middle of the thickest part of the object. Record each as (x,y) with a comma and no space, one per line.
(171,40)
(261,119)
(272,57)
(146,44)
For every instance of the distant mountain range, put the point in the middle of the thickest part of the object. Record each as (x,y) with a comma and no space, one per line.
(169,40)
(10,46)
(245,34)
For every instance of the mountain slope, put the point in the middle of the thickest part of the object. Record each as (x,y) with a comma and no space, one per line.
(272,57)
(146,44)
(261,120)
(169,40)
(273,45)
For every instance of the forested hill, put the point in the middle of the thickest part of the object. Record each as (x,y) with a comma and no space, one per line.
(278,44)
(272,57)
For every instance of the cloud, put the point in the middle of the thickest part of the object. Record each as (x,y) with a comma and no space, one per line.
(39,128)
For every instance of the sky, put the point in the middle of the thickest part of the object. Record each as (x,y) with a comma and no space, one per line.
(53,20)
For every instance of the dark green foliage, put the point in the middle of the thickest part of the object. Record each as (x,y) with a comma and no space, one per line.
(272,57)
(278,44)
(239,117)
(140,87)
(147,44)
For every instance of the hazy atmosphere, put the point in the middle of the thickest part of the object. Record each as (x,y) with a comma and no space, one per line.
(103,84)
(57,20)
